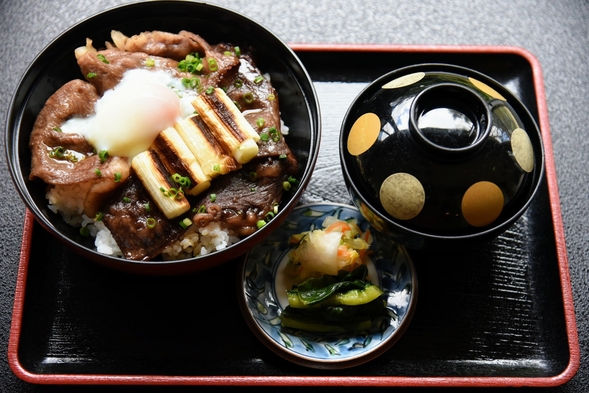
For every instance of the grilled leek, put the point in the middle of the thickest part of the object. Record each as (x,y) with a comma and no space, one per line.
(177,158)
(227,123)
(156,180)
(205,146)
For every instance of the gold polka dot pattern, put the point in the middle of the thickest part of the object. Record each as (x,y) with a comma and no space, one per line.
(522,149)
(363,133)
(486,89)
(402,195)
(482,203)
(404,81)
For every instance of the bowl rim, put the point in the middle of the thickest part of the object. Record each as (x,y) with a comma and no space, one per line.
(511,99)
(33,73)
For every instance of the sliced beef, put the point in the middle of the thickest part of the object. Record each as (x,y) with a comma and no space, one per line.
(76,163)
(105,73)
(257,99)
(105,68)
(75,98)
(164,44)
(245,197)
(126,215)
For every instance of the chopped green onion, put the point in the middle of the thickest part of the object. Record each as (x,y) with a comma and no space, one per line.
(237,105)
(84,231)
(183,181)
(237,51)
(103,155)
(191,82)
(150,62)
(228,53)
(117,177)
(286,185)
(275,208)
(58,152)
(213,197)
(253,189)
(91,75)
(252,176)
(212,64)
(202,209)
(282,156)
(217,168)
(185,223)
(292,180)
(210,90)
(260,122)
(264,136)
(98,172)
(150,222)
(126,199)
(57,129)
(261,224)
(258,79)
(271,97)
(192,63)
(61,153)
(248,97)
(173,193)
(274,134)
(102,58)
(269,215)
(147,207)
(238,83)
(98,216)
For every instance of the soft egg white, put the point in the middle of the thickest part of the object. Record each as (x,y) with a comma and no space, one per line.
(130,116)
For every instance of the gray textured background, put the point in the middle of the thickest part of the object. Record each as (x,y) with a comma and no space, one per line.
(556,32)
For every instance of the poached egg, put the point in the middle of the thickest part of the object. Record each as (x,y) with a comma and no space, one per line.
(129,117)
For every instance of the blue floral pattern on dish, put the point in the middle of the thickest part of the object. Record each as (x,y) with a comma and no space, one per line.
(265,296)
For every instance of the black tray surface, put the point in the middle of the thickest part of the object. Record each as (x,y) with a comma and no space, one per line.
(492,310)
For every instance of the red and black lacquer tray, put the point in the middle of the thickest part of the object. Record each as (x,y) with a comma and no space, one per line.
(495,315)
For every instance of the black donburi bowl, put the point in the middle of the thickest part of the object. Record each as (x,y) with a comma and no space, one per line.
(56,65)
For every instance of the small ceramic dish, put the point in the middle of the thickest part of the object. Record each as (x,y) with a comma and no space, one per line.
(262,295)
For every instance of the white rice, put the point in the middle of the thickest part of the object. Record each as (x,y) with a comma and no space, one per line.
(199,241)
(104,242)
(68,201)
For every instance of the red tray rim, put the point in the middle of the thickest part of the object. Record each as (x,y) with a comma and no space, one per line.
(406,381)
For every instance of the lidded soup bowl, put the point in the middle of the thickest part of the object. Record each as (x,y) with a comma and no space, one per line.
(435,153)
